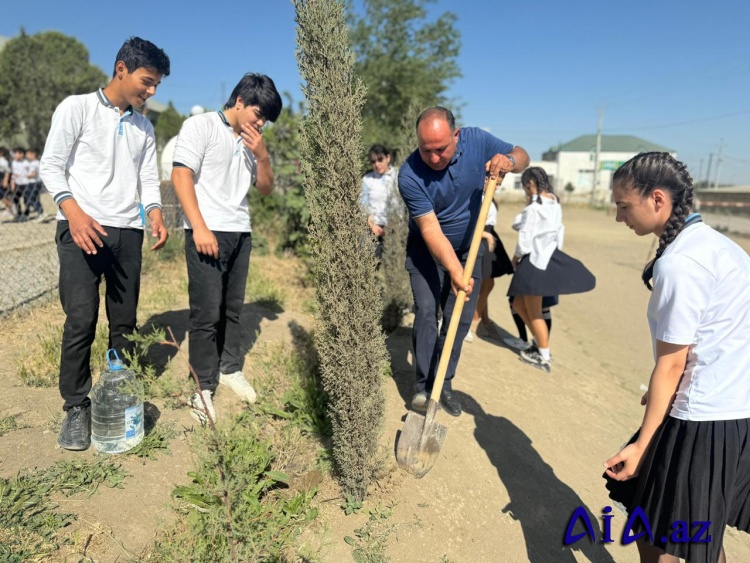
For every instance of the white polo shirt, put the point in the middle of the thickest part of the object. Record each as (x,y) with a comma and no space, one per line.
(19,170)
(701,298)
(104,160)
(223,171)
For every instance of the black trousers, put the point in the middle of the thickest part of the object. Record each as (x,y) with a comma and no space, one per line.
(431,287)
(217,294)
(119,262)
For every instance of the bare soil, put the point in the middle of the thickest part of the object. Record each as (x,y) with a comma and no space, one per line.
(526,453)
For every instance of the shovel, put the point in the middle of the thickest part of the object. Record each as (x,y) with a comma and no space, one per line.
(422,437)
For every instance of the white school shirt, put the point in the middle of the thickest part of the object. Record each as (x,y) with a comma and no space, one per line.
(4,167)
(104,160)
(223,171)
(491,216)
(377,191)
(19,171)
(701,298)
(540,231)
(32,175)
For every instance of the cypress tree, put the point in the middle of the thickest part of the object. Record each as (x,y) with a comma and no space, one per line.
(350,342)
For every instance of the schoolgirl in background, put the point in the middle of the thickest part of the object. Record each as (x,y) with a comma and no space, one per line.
(690,460)
(541,266)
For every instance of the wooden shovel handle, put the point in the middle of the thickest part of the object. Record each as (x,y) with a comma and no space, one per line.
(471,259)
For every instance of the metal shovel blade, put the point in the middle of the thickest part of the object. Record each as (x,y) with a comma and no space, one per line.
(420,442)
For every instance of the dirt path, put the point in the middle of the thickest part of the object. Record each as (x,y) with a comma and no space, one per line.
(529,448)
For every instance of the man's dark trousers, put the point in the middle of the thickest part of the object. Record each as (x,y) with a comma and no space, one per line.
(217,294)
(431,287)
(119,261)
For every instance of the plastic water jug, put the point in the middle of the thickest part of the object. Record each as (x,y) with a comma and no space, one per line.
(116,408)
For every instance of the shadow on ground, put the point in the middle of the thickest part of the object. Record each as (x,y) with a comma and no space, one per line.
(539,501)
(251,317)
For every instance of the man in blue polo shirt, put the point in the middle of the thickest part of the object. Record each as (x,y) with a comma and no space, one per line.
(442,185)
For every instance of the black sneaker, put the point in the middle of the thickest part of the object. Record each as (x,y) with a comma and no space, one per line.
(534,358)
(75,433)
(450,403)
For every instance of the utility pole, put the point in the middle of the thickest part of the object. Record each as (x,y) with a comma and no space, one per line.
(700,170)
(718,164)
(599,124)
(708,170)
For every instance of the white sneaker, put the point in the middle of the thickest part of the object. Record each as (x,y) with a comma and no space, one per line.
(236,382)
(198,412)
(517,344)
(469,337)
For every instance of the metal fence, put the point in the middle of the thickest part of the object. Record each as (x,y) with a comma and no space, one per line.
(29,266)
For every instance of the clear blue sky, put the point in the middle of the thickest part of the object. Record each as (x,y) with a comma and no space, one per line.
(535,73)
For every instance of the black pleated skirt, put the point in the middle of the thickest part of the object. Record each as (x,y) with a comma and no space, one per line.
(693,472)
(563,275)
(497,263)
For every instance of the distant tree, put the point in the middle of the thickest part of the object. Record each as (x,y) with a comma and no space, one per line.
(283,216)
(403,59)
(168,124)
(350,342)
(36,73)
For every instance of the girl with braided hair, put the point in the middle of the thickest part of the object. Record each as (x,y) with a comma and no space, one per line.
(541,267)
(689,463)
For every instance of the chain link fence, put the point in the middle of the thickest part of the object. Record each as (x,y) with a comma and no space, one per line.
(29,266)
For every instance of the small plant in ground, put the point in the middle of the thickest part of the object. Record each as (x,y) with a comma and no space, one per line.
(237,507)
(162,386)
(372,539)
(8,423)
(351,505)
(28,520)
(155,442)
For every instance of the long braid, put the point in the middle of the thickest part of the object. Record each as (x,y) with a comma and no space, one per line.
(648,171)
(541,180)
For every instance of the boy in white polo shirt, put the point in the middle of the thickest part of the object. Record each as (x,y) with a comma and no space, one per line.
(217,158)
(99,166)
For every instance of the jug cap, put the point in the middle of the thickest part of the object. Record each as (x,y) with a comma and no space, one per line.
(116,364)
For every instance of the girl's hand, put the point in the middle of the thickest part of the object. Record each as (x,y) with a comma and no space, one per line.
(515,261)
(626,464)
(490,241)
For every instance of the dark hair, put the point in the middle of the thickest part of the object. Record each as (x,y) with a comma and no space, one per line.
(648,171)
(19,149)
(138,53)
(438,112)
(378,150)
(539,175)
(257,90)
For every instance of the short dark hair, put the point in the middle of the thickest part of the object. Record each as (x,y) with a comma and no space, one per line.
(19,149)
(138,53)
(439,112)
(378,150)
(257,90)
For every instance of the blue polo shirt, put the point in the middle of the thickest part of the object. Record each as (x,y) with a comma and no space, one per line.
(454,194)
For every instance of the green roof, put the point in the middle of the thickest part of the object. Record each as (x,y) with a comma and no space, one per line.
(611,143)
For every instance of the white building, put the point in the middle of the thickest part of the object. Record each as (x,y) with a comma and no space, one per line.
(572,163)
